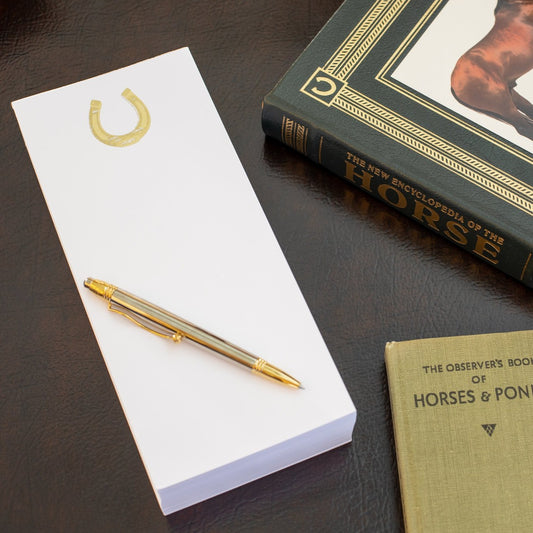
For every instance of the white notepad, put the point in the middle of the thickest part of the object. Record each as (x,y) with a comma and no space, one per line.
(172,217)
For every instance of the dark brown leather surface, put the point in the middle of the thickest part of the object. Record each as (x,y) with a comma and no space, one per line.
(67,459)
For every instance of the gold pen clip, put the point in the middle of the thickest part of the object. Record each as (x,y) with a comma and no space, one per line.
(144,323)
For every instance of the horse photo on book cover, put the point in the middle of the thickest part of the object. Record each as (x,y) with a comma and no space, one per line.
(485,77)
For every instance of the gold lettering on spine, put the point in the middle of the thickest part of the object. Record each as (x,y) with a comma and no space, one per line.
(487,250)
(127,139)
(399,201)
(365,177)
(423,213)
(456,232)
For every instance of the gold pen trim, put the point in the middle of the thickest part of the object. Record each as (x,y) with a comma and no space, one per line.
(164,324)
(175,336)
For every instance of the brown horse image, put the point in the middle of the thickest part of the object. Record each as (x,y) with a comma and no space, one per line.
(485,77)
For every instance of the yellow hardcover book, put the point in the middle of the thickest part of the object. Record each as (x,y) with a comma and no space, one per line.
(463,423)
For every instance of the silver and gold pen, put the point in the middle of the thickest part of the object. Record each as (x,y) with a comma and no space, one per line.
(165,324)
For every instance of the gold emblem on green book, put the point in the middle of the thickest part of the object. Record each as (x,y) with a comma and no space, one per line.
(323,86)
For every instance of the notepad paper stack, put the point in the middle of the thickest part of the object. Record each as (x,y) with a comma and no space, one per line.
(463,411)
(138,201)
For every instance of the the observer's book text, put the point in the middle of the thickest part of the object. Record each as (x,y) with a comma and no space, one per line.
(462,411)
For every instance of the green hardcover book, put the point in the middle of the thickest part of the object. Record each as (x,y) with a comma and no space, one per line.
(462,410)
(412,101)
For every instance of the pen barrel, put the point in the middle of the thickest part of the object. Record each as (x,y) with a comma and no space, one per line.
(175,324)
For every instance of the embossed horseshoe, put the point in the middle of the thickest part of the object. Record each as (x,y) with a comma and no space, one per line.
(327,81)
(127,139)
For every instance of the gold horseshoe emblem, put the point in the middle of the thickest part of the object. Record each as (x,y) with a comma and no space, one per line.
(127,139)
(327,81)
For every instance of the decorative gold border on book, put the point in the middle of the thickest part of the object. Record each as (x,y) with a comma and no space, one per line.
(350,55)
(364,37)
(294,134)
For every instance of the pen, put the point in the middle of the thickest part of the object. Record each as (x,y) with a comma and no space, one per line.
(165,324)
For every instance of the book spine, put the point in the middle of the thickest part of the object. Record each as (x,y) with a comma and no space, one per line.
(402,436)
(456,223)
